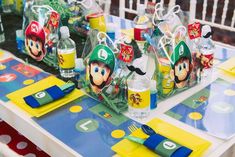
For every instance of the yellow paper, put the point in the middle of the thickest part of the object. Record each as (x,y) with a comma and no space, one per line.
(130,149)
(228,66)
(17,96)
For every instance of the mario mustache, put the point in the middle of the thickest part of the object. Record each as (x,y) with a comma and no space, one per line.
(134,69)
(209,34)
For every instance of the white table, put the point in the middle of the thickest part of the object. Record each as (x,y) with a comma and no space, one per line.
(22,122)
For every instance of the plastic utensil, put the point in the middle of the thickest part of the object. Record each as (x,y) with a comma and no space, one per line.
(147,130)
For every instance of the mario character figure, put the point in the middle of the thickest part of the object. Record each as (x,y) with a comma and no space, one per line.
(135,99)
(181,65)
(51,31)
(35,41)
(100,67)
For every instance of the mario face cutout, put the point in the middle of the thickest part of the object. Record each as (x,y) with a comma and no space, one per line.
(100,66)
(181,65)
(35,41)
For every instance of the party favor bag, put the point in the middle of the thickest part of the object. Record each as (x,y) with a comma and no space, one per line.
(41,24)
(176,70)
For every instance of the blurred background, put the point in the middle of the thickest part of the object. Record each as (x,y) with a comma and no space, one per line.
(220,35)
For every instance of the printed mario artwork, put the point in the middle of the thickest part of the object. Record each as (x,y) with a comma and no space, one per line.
(181,65)
(51,30)
(126,53)
(35,41)
(135,99)
(100,67)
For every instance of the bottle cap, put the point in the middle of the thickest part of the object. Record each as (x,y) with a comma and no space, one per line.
(64,31)
(141,9)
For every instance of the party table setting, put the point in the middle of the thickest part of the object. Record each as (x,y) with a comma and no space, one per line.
(83,82)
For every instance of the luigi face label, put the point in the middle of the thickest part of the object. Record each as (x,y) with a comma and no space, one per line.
(100,67)
(181,65)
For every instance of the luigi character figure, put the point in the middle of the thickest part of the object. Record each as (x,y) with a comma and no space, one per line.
(100,67)
(181,65)
(35,41)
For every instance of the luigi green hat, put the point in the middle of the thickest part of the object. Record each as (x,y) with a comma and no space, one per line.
(103,54)
(181,50)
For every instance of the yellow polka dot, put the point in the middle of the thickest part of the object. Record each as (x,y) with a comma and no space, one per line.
(118,133)
(1,54)
(75,109)
(28,82)
(2,67)
(229,92)
(195,116)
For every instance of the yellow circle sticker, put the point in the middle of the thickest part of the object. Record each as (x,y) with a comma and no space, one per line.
(28,82)
(195,115)
(75,109)
(2,67)
(118,133)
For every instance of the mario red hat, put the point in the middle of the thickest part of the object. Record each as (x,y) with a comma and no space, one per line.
(34,29)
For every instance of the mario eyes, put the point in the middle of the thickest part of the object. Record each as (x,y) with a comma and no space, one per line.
(37,46)
(103,71)
(31,43)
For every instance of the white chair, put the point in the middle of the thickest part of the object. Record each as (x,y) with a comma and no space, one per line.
(106,4)
(220,25)
(123,9)
(212,22)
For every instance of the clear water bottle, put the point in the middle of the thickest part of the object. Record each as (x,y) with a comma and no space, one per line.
(2,35)
(139,96)
(66,54)
(142,23)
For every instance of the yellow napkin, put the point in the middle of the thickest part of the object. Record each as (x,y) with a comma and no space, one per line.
(17,96)
(228,66)
(130,149)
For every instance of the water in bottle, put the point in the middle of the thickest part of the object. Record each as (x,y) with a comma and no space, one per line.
(66,53)
(141,23)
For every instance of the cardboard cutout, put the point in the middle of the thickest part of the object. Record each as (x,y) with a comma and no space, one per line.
(181,65)
(35,40)
(100,67)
